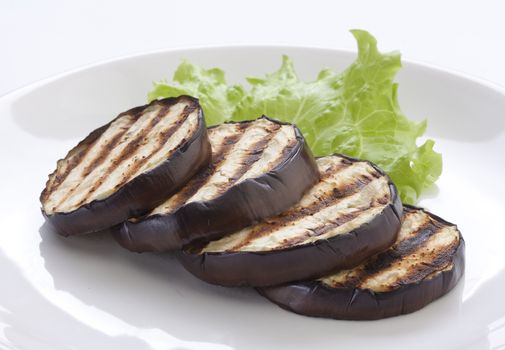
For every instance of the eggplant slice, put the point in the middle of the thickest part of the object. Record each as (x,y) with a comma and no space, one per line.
(127,167)
(259,168)
(426,262)
(351,214)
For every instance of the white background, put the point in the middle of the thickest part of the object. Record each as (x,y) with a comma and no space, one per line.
(42,38)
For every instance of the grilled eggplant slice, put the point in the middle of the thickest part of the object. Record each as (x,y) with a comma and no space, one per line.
(426,262)
(259,168)
(350,215)
(127,167)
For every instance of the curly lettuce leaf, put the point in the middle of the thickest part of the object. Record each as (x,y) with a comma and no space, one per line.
(355,112)
(217,99)
(283,96)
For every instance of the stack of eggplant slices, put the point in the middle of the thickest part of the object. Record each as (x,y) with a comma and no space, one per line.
(246,204)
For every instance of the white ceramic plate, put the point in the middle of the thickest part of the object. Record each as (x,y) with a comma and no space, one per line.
(88,293)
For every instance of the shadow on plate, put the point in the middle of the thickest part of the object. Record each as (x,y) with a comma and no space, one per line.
(154,291)
(144,290)
(30,321)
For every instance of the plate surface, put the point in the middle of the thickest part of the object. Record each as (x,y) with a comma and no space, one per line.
(88,293)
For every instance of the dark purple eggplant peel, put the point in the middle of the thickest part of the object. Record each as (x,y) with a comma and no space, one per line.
(127,167)
(425,263)
(259,168)
(351,214)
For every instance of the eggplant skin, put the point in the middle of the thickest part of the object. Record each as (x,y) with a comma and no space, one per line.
(143,192)
(243,204)
(302,262)
(313,298)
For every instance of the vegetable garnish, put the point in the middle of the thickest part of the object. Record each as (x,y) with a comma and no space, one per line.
(354,112)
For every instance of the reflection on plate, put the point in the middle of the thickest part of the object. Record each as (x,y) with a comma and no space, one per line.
(86,292)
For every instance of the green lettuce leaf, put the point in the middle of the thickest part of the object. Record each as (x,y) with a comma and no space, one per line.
(283,96)
(355,112)
(217,99)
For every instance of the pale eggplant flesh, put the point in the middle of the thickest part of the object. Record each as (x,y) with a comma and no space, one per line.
(426,262)
(352,213)
(259,168)
(127,167)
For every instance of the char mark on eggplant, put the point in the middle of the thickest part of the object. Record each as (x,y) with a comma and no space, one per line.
(137,144)
(259,168)
(425,262)
(241,151)
(352,213)
(348,194)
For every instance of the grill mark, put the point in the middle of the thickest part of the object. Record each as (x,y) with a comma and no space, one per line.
(382,200)
(242,126)
(437,262)
(354,276)
(292,215)
(448,267)
(285,153)
(410,211)
(256,151)
(398,252)
(424,220)
(376,174)
(72,163)
(254,154)
(58,179)
(163,138)
(351,280)
(99,159)
(323,228)
(333,169)
(130,148)
(105,151)
(218,156)
(221,188)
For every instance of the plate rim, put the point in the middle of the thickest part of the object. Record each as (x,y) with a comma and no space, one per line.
(136,55)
